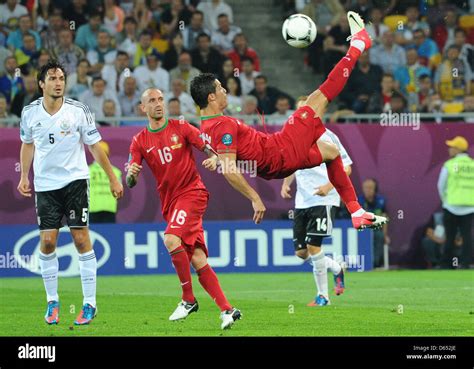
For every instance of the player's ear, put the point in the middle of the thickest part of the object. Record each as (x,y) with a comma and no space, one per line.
(142,107)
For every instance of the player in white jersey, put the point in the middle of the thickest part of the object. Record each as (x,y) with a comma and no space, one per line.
(53,132)
(316,203)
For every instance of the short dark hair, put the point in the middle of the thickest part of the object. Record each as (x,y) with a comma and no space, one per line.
(98,78)
(51,64)
(460,30)
(424,76)
(246,58)
(201,35)
(222,15)
(174,99)
(122,53)
(130,20)
(201,87)
(198,12)
(84,60)
(261,76)
(397,95)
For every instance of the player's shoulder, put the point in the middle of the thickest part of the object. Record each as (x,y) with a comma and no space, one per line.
(74,104)
(31,107)
(139,137)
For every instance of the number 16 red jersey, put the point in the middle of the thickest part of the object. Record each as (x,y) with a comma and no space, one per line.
(168,152)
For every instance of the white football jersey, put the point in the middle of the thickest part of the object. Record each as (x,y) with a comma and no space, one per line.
(59,139)
(308,179)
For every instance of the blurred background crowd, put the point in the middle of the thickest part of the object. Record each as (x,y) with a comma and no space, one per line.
(422,59)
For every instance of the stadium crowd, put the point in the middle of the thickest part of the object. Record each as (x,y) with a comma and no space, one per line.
(422,59)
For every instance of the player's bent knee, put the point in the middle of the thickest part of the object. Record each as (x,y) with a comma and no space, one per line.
(329,151)
(171,241)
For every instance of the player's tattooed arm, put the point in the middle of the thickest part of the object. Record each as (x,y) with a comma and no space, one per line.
(286,186)
(132,174)
(238,182)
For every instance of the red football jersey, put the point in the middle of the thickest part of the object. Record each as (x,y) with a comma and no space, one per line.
(168,152)
(229,135)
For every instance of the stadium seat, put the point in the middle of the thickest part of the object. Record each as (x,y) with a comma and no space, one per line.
(466,21)
(392,21)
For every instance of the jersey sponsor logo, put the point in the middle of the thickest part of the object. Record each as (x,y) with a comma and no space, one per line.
(29,245)
(148,150)
(94,131)
(227,139)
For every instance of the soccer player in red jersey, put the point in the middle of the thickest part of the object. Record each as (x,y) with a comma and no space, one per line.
(295,147)
(166,146)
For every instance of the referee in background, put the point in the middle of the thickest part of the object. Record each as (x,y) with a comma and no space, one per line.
(456,189)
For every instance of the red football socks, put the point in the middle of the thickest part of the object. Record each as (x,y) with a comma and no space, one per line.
(181,264)
(339,75)
(210,283)
(341,181)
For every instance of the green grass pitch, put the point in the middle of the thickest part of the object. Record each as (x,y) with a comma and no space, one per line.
(393,303)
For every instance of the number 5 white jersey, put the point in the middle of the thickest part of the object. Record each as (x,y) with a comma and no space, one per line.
(309,179)
(59,139)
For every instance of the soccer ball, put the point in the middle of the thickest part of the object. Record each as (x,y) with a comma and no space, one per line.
(299,30)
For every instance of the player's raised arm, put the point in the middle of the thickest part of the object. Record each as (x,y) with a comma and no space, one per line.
(101,157)
(238,181)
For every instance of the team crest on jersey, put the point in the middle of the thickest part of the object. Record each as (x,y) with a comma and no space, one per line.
(175,140)
(227,139)
(304,115)
(65,125)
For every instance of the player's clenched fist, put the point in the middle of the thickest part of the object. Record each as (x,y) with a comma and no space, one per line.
(24,187)
(210,163)
(134,169)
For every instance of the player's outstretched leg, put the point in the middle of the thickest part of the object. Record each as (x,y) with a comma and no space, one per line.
(181,263)
(210,282)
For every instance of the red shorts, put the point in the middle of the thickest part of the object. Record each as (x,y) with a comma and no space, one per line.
(294,147)
(184,217)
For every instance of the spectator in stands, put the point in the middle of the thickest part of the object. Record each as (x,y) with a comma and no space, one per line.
(365,80)
(404,35)
(40,14)
(129,97)
(27,55)
(452,78)
(234,95)
(86,36)
(76,12)
(152,75)
(380,102)
(15,38)
(50,34)
(407,76)
(425,94)
(372,201)
(282,113)
(398,103)
(227,70)
(433,240)
(267,96)
(104,53)
(468,106)
(335,44)
(4,53)
(427,49)
(436,13)
(196,27)
(26,96)
(326,14)
(67,53)
(363,7)
(114,17)
(79,82)
(178,92)
(247,76)
(4,114)
(205,57)
(128,39)
(175,15)
(142,14)
(144,48)
(466,49)
(444,33)
(170,59)
(116,73)
(43,59)
(185,70)
(455,185)
(223,37)
(376,28)
(110,111)
(211,10)
(11,83)
(249,108)
(103,205)
(174,107)
(94,98)
(242,49)
(388,55)
(10,12)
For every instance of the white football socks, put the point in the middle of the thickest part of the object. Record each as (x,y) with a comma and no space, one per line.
(358,213)
(320,273)
(332,265)
(88,270)
(49,266)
